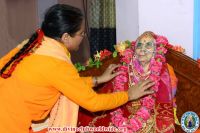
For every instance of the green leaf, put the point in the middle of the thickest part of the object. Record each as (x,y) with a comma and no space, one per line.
(82,68)
(115,54)
(158,60)
(123,63)
(91,62)
(160,51)
(162,45)
(128,42)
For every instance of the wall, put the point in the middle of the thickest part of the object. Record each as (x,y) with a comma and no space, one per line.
(127,19)
(42,6)
(18,21)
(171,18)
(20,18)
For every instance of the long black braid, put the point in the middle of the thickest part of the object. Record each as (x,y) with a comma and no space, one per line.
(59,19)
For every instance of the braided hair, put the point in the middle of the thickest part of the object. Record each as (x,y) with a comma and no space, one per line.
(59,19)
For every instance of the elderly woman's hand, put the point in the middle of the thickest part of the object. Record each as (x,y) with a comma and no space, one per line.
(108,74)
(141,89)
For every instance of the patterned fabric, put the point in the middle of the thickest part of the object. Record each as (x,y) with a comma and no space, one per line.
(102,23)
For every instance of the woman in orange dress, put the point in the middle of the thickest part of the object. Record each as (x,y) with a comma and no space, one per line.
(37,78)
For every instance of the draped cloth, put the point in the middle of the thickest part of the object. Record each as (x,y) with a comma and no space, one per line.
(64,112)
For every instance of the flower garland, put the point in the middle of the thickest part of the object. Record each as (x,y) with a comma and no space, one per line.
(147,103)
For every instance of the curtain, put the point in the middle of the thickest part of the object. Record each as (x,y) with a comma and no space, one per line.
(102,25)
(196,39)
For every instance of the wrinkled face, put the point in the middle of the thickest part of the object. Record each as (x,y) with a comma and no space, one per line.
(145,48)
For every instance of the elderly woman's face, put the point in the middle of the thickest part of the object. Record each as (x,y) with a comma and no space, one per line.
(145,48)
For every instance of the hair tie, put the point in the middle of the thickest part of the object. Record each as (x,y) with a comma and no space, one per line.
(40,35)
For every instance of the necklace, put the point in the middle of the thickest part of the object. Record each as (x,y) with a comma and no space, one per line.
(134,74)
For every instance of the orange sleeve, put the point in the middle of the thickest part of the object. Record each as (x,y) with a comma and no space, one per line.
(88,81)
(66,79)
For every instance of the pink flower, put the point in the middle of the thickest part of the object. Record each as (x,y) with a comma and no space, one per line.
(118,120)
(162,58)
(155,70)
(122,78)
(156,63)
(161,50)
(127,55)
(143,113)
(148,102)
(161,40)
(125,60)
(123,68)
(133,43)
(136,124)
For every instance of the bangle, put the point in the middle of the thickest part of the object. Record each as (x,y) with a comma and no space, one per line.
(95,81)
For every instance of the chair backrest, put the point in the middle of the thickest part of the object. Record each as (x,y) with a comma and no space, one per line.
(188,91)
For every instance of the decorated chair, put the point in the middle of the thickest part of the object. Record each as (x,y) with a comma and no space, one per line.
(187,72)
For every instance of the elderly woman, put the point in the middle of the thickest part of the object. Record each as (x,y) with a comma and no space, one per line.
(151,113)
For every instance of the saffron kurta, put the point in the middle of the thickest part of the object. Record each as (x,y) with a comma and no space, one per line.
(38,81)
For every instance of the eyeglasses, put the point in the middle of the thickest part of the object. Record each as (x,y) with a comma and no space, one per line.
(147,47)
(82,34)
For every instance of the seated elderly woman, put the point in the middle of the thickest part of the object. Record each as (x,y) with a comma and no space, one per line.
(145,58)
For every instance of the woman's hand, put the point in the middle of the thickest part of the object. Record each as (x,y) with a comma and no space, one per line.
(108,74)
(140,89)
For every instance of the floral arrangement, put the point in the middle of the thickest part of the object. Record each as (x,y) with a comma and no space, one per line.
(97,61)
(134,123)
(177,48)
(122,46)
